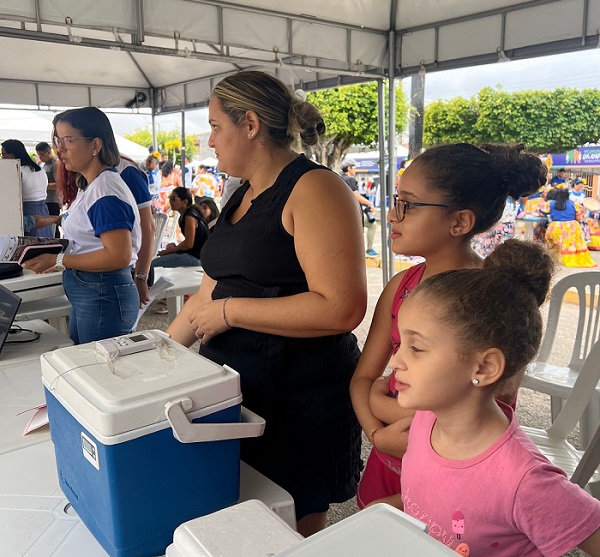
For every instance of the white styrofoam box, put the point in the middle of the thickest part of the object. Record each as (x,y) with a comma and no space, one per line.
(249,529)
(377,530)
(112,398)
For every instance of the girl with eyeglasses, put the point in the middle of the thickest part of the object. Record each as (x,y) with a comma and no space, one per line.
(445,197)
(102,224)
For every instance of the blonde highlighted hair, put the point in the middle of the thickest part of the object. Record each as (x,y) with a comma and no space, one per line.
(282,112)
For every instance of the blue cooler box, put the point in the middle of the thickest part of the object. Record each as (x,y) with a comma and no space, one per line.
(145,442)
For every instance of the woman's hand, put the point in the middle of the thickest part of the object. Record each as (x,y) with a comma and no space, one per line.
(143,291)
(169,248)
(41,264)
(207,321)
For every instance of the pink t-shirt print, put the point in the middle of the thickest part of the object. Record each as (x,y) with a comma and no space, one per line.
(507,501)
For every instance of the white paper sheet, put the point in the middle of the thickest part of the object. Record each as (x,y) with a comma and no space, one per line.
(159,286)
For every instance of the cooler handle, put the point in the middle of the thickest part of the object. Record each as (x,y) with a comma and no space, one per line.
(252,425)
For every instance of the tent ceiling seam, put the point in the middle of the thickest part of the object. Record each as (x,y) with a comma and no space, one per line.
(145,49)
(521,53)
(297,17)
(59,83)
(478,15)
(134,61)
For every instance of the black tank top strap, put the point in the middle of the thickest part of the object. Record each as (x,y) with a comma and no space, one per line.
(288,178)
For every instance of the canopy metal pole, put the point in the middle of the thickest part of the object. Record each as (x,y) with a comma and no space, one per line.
(183,147)
(153,109)
(382,178)
(391,138)
(154,137)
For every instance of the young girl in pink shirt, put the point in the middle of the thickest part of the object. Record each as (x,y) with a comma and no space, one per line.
(470,472)
(446,196)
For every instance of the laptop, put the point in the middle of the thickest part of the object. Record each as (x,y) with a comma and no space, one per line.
(9,306)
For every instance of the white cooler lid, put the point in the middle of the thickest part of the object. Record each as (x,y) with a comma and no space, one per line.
(130,392)
(248,529)
(377,530)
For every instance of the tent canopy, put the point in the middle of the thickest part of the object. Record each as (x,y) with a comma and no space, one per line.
(168,54)
(31,129)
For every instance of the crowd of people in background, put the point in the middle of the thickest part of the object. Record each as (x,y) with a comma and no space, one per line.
(564,217)
(562,222)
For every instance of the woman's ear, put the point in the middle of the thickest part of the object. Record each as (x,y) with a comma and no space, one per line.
(252,124)
(491,363)
(96,145)
(463,223)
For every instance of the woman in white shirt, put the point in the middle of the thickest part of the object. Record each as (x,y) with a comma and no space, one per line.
(102,225)
(34,183)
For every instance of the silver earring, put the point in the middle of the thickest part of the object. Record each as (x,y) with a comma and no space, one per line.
(250,136)
(93,153)
(475,381)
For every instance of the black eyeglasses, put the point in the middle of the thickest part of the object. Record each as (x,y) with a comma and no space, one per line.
(402,206)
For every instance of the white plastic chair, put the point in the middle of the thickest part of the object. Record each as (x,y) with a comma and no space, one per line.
(580,467)
(160,226)
(55,310)
(170,234)
(558,381)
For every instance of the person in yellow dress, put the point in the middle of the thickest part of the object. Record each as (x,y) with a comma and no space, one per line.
(564,232)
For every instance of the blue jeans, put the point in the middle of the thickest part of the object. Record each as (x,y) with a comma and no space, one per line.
(103,305)
(176,260)
(31,208)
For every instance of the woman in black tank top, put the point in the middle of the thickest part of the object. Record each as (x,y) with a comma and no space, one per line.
(284,284)
(194,229)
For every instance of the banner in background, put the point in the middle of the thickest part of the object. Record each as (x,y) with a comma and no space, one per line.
(580,157)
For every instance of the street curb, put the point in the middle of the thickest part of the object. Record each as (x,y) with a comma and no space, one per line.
(572,297)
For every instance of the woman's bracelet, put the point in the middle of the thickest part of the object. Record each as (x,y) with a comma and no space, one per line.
(372,435)
(225,316)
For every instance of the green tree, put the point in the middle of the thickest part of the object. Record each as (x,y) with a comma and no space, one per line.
(168,141)
(449,121)
(546,121)
(350,115)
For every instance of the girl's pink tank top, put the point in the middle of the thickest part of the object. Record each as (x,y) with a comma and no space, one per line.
(409,281)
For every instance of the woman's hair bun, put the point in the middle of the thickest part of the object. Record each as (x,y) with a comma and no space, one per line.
(304,118)
(521,172)
(528,263)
